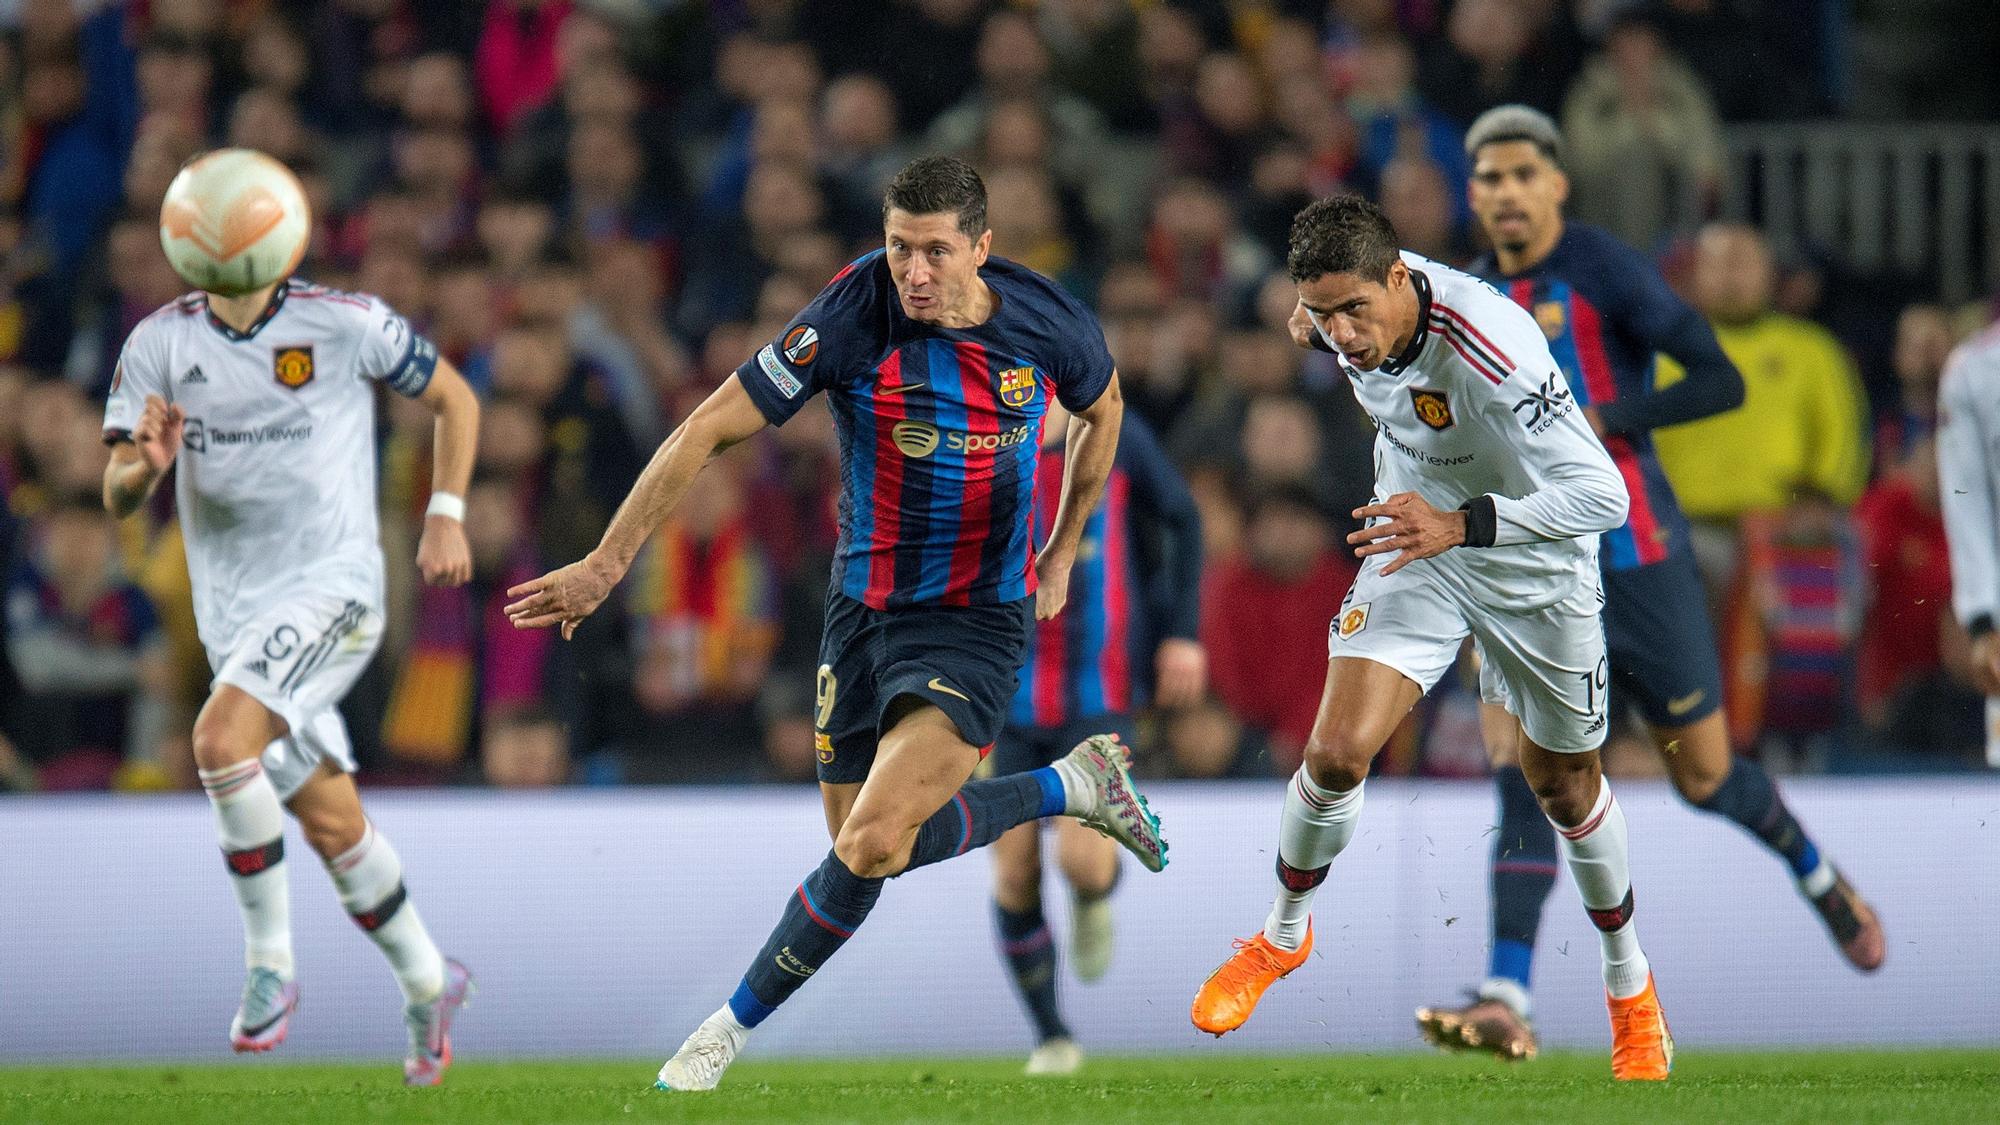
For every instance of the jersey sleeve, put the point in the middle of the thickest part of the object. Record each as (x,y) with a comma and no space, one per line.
(141,371)
(1535,414)
(393,352)
(844,332)
(1710,383)
(1162,500)
(1085,366)
(1971,505)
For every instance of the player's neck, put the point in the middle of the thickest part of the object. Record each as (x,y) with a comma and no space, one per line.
(978,307)
(241,312)
(1521,259)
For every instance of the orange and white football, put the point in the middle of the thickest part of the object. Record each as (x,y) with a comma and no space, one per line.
(234,220)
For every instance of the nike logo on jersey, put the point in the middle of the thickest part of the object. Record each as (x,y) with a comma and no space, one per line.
(1686,703)
(938,684)
(899,388)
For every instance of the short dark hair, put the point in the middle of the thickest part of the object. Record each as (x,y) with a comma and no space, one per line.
(1505,123)
(1343,234)
(933,185)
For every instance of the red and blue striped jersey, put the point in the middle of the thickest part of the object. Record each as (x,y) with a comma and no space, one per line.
(1093,658)
(940,428)
(1607,312)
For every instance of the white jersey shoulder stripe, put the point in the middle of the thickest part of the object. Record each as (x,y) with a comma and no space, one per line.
(1465,326)
(1468,350)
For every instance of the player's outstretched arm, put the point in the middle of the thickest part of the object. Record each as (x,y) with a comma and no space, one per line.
(1088,452)
(565,597)
(137,465)
(443,556)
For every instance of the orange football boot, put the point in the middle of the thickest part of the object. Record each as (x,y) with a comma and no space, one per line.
(1231,992)
(1642,1049)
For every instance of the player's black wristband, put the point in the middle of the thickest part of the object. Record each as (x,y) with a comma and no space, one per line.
(1980,626)
(1482,523)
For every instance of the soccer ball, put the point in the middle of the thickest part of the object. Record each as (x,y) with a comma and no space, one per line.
(234,221)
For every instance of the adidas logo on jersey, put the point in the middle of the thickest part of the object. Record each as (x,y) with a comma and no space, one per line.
(259,667)
(193,376)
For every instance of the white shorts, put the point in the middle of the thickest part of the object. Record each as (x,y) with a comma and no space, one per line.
(1545,666)
(299,658)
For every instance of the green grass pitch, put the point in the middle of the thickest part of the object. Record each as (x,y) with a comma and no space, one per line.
(1847,1086)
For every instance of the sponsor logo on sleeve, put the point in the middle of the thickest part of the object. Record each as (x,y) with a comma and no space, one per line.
(1433,408)
(1542,408)
(802,345)
(292,366)
(776,373)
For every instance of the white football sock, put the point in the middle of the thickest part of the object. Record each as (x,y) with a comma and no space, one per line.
(369,877)
(1595,851)
(1316,824)
(250,823)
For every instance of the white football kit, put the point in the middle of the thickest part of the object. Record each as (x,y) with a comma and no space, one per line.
(1476,414)
(275,488)
(1968,454)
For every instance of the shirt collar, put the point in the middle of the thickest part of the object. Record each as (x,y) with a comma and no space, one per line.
(270,310)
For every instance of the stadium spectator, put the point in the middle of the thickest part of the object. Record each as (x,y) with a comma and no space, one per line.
(1494,52)
(1923,339)
(1393,118)
(1264,615)
(516,57)
(1094,51)
(1901,660)
(1801,421)
(1644,145)
(87,647)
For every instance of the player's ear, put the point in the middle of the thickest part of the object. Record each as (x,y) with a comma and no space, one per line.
(982,248)
(1562,187)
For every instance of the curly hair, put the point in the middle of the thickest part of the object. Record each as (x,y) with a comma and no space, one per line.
(1343,234)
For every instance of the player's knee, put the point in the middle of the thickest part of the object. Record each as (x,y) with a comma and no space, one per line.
(331,832)
(1338,761)
(871,849)
(1696,782)
(217,746)
(1017,884)
(1568,790)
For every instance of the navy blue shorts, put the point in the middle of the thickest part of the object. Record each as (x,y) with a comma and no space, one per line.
(1024,748)
(963,659)
(1661,643)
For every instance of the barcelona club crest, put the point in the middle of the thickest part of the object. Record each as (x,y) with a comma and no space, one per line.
(1552,318)
(293,366)
(1017,386)
(1433,408)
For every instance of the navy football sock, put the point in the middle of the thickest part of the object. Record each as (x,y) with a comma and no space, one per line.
(1030,951)
(1747,797)
(1524,872)
(978,814)
(820,916)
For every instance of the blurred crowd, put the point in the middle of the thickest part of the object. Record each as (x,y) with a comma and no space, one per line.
(597,210)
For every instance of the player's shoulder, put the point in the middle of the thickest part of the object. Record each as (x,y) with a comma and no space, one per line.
(186,309)
(1035,291)
(861,282)
(1592,245)
(1486,331)
(314,299)
(1973,367)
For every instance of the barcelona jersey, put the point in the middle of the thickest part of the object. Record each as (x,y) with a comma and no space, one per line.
(1092,658)
(940,428)
(1606,312)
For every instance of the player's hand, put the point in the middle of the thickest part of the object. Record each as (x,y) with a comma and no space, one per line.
(563,597)
(1986,664)
(1411,526)
(443,556)
(1180,669)
(1051,585)
(1302,326)
(159,432)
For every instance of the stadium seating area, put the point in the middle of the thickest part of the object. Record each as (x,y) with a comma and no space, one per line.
(598,210)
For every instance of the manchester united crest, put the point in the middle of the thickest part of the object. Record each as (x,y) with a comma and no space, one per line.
(1017,386)
(293,366)
(1354,619)
(1433,408)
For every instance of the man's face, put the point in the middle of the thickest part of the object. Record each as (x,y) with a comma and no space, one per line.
(1365,319)
(933,263)
(1734,275)
(1517,193)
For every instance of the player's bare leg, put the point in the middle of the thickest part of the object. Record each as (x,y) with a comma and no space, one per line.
(368,875)
(1578,801)
(1089,864)
(1714,779)
(1497,1015)
(915,808)
(230,735)
(1359,708)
